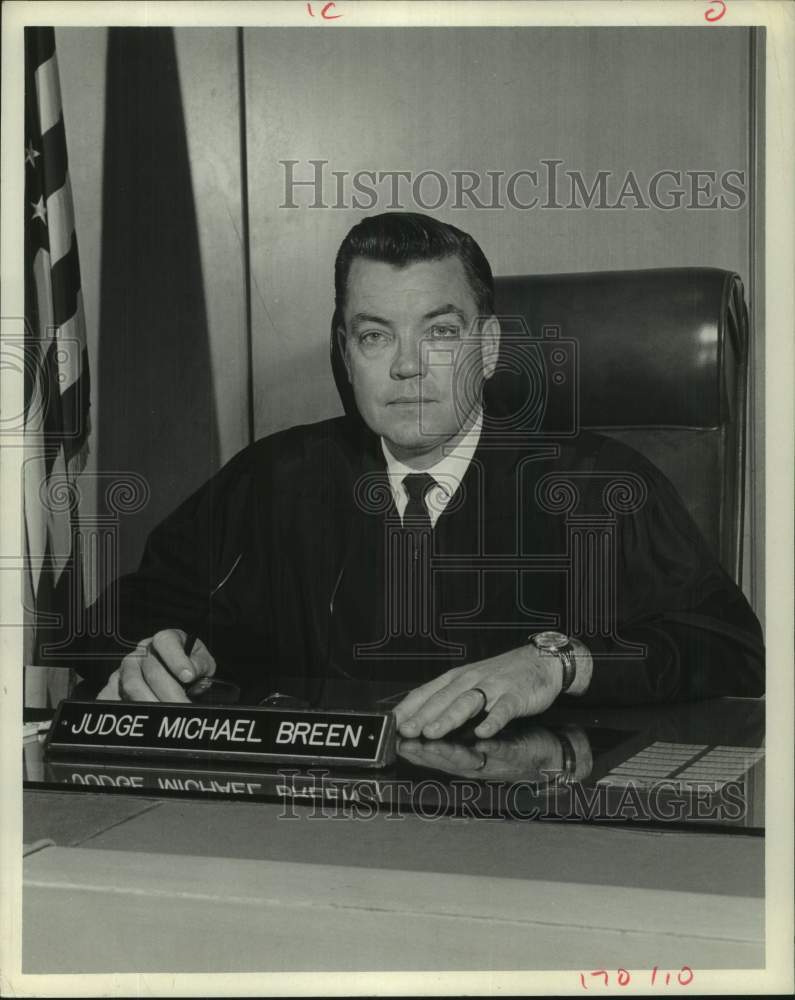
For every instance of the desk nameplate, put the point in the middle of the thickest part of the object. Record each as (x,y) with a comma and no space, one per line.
(272,735)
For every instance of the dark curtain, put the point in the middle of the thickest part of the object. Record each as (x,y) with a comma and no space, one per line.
(156,414)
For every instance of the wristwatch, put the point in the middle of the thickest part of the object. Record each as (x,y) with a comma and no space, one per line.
(560,645)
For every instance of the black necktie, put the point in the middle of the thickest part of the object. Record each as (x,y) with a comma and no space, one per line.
(412,570)
(416,517)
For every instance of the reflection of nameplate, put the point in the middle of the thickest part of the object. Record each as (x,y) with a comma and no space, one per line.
(362,739)
(201,778)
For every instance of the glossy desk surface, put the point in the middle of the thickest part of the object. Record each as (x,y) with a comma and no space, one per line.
(697,764)
(200,882)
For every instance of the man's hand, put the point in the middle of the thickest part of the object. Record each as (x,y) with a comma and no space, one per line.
(522,682)
(159,669)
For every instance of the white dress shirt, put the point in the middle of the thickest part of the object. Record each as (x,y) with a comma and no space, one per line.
(448,473)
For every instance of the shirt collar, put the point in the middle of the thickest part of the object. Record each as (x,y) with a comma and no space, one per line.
(448,471)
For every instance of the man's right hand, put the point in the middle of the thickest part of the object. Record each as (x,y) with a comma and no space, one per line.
(160,670)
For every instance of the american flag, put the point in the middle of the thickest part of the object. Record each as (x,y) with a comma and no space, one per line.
(56,375)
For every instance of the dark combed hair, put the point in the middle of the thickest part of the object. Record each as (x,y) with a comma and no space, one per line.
(402,238)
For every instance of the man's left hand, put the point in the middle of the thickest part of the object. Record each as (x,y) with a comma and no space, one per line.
(522,682)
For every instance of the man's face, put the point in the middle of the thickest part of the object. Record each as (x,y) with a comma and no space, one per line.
(415,353)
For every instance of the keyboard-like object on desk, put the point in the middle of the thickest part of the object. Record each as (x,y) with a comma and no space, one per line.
(689,765)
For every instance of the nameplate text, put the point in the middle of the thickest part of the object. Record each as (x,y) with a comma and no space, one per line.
(364,739)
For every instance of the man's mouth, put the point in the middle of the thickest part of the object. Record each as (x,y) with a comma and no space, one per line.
(409,402)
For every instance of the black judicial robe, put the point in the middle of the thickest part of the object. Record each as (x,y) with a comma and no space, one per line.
(583,536)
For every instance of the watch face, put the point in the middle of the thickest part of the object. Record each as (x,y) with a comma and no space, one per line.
(553,641)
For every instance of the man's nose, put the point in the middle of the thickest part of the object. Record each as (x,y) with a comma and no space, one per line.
(408,359)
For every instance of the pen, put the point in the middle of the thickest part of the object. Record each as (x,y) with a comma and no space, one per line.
(190,638)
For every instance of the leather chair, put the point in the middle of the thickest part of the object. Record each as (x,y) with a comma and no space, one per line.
(662,365)
(656,358)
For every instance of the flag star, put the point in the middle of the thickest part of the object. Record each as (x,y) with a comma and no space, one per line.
(31,154)
(39,210)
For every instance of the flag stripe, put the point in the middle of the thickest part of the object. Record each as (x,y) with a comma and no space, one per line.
(35,521)
(59,519)
(54,158)
(43,292)
(52,414)
(59,222)
(48,94)
(65,277)
(39,44)
(75,413)
(74,408)
(71,339)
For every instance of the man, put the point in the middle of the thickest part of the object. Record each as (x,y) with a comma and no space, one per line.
(408,541)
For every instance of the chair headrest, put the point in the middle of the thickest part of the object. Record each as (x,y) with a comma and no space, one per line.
(647,345)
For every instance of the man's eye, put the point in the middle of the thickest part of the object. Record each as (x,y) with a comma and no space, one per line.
(370,338)
(444,332)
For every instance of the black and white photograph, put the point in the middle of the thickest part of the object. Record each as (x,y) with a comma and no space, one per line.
(397,473)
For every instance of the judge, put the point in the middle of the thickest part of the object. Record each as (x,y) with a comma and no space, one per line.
(411,540)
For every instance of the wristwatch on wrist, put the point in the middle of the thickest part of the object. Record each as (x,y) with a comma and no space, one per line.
(560,645)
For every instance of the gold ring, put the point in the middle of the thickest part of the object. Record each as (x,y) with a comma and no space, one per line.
(485,696)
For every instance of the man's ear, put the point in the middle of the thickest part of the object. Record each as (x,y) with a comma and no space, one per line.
(490,345)
(342,344)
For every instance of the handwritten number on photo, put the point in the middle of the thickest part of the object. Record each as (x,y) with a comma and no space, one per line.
(325,12)
(684,977)
(716,10)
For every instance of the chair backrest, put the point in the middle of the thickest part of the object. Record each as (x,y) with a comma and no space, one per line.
(655,358)
(661,364)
